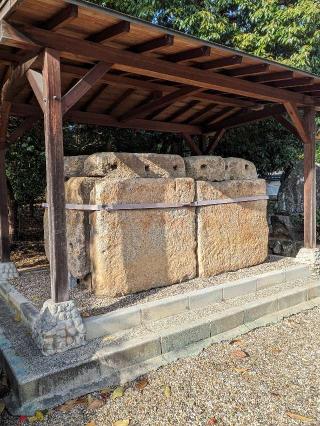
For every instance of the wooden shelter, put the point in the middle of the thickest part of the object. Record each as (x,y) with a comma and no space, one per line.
(72,60)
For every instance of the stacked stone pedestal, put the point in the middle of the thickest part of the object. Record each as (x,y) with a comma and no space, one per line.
(126,251)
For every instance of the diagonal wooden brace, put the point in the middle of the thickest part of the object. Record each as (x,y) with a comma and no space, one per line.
(84,85)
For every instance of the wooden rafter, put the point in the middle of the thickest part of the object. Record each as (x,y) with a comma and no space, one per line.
(198,114)
(83,85)
(151,86)
(61,18)
(246,117)
(309,88)
(221,62)
(110,32)
(154,44)
(186,55)
(221,115)
(272,76)
(93,98)
(248,70)
(157,68)
(119,101)
(298,122)
(159,103)
(182,110)
(295,82)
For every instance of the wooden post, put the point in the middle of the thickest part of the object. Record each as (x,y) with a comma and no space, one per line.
(4,213)
(55,176)
(310,180)
(4,220)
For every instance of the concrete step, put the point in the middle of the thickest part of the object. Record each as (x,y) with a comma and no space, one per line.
(42,382)
(138,315)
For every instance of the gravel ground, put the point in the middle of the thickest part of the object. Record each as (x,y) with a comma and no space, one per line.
(36,287)
(277,383)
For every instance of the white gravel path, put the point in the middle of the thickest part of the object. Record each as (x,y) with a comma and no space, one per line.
(36,287)
(278,380)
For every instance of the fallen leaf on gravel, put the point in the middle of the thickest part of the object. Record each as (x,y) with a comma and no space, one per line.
(276,350)
(92,423)
(167,391)
(117,393)
(38,417)
(212,421)
(124,422)
(96,404)
(108,338)
(141,384)
(299,417)
(2,406)
(239,354)
(67,406)
(241,370)
(22,419)
(237,342)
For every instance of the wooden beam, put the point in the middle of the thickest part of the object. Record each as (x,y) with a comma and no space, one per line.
(286,123)
(248,70)
(298,122)
(246,117)
(310,240)
(61,18)
(272,76)
(23,110)
(116,80)
(186,55)
(83,85)
(21,130)
(10,36)
(193,146)
(4,213)
(36,82)
(182,110)
(110,32)
(137,123)
(157,68)
(221,62)
(154,44)
(55,177)
(163,101)
(215,141)
(294,82)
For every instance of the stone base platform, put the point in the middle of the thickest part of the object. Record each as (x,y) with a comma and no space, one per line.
(39,382)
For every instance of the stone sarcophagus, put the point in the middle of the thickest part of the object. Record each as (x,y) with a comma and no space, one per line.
(176,226)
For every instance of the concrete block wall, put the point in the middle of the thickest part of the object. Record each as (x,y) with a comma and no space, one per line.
(122,252)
